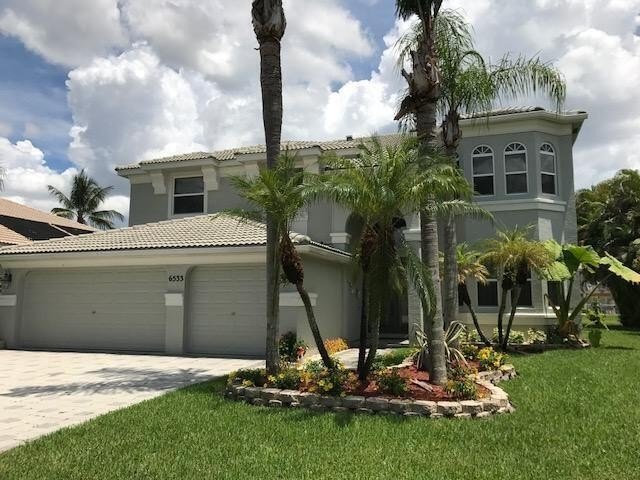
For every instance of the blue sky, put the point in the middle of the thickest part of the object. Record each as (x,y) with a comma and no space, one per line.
(93,84)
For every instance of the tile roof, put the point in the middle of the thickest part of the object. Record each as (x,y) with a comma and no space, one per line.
(9,237)
(215,230)
(17,210)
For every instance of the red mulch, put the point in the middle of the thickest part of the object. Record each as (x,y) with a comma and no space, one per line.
(435,392)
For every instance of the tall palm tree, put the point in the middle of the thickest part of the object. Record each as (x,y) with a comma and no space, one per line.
(514,256)
(84,202)
(423,83)
(470,84)
(383,184)
(470,267)
(279,192)
(269,25)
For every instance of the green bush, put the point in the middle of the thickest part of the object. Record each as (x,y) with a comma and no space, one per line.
(460,371)
(290,347)
(255,377)
(392,358)
(536,336)
(469,351)
(465,389)
(391,383)
(515,337)
(288,379)
(315,377)
(472,336)
(489,359)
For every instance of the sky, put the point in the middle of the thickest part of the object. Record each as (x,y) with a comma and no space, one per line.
(108,82)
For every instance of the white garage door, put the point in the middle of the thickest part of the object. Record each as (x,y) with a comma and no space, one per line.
(227,311)
(101,309)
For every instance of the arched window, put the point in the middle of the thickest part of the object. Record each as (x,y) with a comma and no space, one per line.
(515,168)
(548,169)
(482,164)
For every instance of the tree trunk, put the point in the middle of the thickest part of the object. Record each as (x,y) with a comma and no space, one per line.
(501,310)
(313,325)
(362,348)
(464,294)
(450,274)
(374,337)
(271,83)
(515,298)
(434,325)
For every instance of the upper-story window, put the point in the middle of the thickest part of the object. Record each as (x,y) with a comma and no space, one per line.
(548,169)
(188,195)
(515,168)
(482,164)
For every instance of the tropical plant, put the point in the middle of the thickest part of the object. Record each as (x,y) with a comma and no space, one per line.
(269,25)
(83,203)
(391,382)
(279,194)
(452,336)
(382,185)
(469,267)
(469,84)
(489,359)
(609,221)
(423,83)
(569,265)
(514,256)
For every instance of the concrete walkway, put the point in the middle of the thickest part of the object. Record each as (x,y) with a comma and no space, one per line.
(41,392)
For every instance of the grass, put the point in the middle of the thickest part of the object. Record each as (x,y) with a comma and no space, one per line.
(578,416)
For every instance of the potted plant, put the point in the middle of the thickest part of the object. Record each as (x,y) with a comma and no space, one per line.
(595,317)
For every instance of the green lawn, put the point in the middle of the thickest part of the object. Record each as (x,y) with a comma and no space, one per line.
(578,417)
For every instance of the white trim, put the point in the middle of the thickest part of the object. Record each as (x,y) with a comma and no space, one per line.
(546,204)
(8,300)
(517,148)
(537,121)
(474,155)
(171,195)
(292,299)
(340,238)
(210,177)
(166,257)
(554,155)
(159,183)
(174,299)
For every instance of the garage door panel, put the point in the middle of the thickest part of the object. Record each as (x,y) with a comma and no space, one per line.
(226,311)
(103,309)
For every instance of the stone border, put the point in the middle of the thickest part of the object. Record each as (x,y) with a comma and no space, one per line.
(497,403)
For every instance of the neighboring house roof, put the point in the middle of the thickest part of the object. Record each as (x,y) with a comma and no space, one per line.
(21,224)
(325,146)
(216,230)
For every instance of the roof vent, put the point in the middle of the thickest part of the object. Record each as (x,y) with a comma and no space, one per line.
(349,138)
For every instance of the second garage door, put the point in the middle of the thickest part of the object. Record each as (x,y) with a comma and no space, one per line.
(226,311)
(119,309)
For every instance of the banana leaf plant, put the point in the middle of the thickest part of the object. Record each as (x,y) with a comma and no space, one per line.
(570,262)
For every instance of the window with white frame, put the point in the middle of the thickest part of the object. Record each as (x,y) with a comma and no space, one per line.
(548,169)
(488,293)
(188,195)
(515,168)
(482,164)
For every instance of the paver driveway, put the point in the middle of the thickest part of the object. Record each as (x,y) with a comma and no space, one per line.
(43,391)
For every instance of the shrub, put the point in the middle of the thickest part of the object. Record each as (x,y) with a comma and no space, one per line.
(460,371)
(315,377)
(288,379)
(335,345)
(489,359)
(472,336)
(536,336)
(469,351)
(391,383)
(392,358)
(515,337)
(255,377)
(290,348)
(462,389)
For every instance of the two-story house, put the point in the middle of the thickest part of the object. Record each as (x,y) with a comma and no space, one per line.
(183,279)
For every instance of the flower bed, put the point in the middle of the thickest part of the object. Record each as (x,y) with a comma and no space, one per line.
(493,400)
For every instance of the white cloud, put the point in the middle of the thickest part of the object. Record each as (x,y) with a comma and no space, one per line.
(26,174)
(68,33)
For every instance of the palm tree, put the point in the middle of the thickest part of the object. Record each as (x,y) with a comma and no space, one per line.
(269,25)
(470,84)
(420,103)
(381,186)
(84,202)
(279,193)
(470,267)
(514,256)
